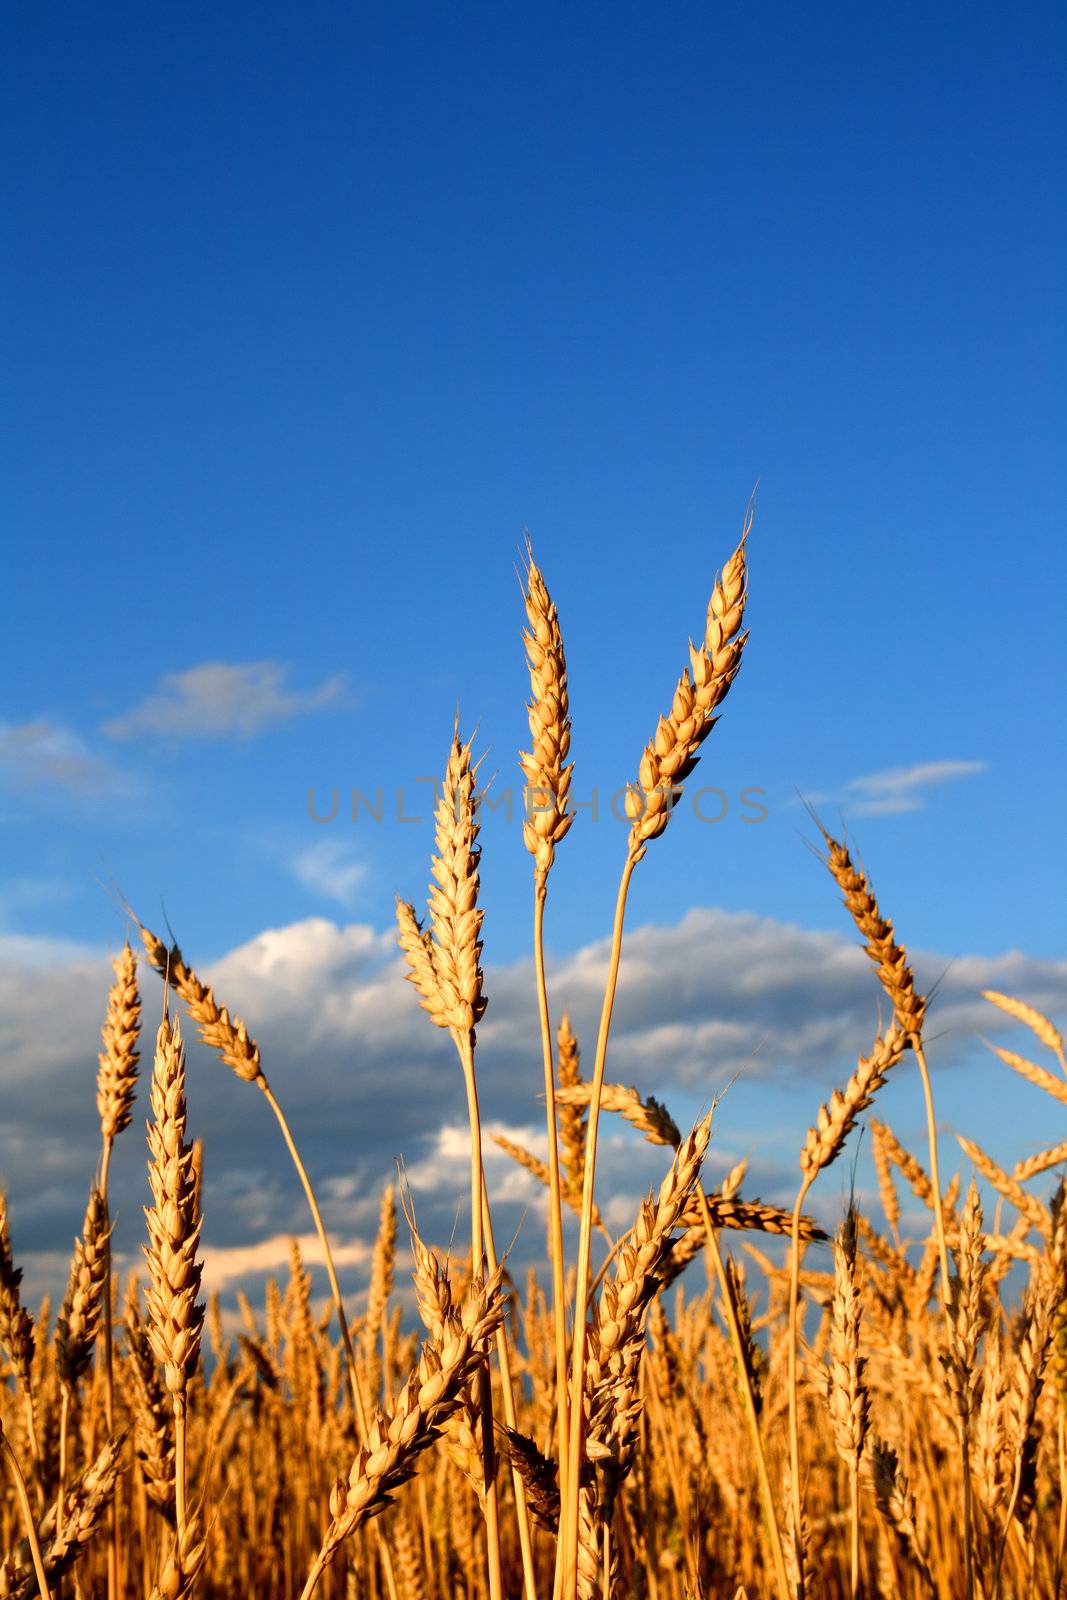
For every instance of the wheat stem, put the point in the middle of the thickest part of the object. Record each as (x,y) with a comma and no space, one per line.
(26,1509)
(568,1544)
(770,1516)
(792,1334)
(555,1213)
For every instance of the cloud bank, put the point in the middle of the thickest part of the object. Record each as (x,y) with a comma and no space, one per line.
(366,1080)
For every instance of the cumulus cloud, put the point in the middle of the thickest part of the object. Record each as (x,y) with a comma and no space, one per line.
(899,789)
(330,868)
(365,1079)
(44,755)
(218,699)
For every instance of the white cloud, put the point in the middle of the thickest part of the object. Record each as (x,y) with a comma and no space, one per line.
(906,788)
(365,1078)
(44,755)
(235,1264)
(330,868)
(217,699)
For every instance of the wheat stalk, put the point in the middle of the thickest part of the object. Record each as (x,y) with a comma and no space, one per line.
(175,1316)
(394,1441)
(16,1326)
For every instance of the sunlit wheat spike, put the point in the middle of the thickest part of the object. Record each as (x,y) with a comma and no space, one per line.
(616,1337)
(570,1119)
(383,1262)
(395,1440)
(673,752)
(1025,1203)
(539,1473)
(647,1115)
(891,960)
(79,1319)
(837,1118)
(175,1317)
(848,1395)
(1037,1075)
(417,946)
(85,1505)
(16,1323)
(967,1309)
(615,1342)
(181,1568)
(903,1159)
(1039,1025)
(116,1079)
(728,1212)
(437,1308)
(1041,1161)
(1058,1266)
(548,816)
(887,1189)
(147,1398)
(897,1505)
(455,916)
(221,1032)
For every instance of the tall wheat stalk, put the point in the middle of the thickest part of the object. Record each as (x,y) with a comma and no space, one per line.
(667,762)
(175,1315)
(548,820)
(116,1086)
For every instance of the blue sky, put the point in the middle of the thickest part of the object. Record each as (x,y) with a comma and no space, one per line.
(310,312)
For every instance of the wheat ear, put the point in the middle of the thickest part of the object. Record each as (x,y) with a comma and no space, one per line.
(849,1400)
(1025,1203)
(387,1459)
(672,754)
(116,1086)
(183,1563)
(548,818)
(1041,1161)
(1040,1026)
(445,964)
(16,1326)
(823,1145)
(647,1115)
(897,1505)
(65,1532)
(148,1403)
(1039,1076)
(909,1007)
(609,1401)
(667,760)
(229,1036)
(175,1316)
(79,1318)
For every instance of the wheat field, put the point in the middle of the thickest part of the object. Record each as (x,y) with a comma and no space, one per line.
(865,1414)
